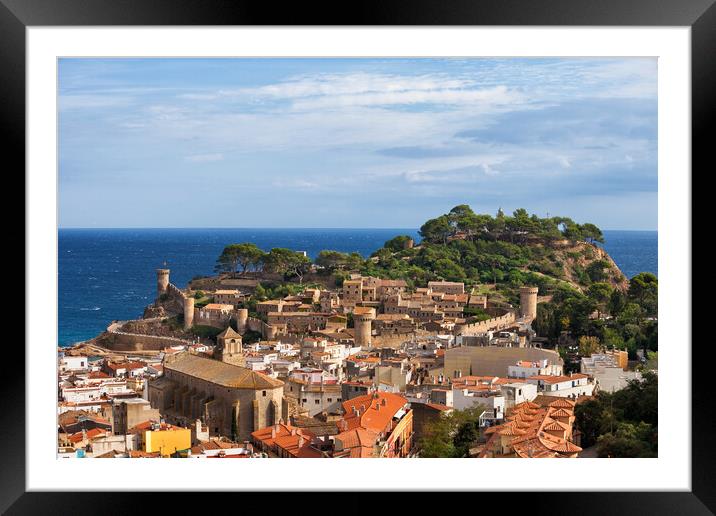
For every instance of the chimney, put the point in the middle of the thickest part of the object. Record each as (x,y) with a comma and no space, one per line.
(300,441)
(273,433)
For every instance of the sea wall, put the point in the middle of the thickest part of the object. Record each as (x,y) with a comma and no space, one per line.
(124,341)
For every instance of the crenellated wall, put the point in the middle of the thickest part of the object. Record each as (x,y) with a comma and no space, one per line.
(495,324)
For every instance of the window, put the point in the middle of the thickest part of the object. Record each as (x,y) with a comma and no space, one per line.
(317,402)
(263,393)
(329,400)
(305,400)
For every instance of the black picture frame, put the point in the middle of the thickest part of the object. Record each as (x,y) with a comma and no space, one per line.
(700,15)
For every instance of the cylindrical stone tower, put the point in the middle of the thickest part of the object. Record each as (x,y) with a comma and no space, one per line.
(362,317)
(188,312)
(242,316)
(162,281)
(528,302)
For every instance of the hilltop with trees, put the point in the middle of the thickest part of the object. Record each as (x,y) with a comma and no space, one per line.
(583,292)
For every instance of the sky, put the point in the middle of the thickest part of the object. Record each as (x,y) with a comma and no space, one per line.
(355,142)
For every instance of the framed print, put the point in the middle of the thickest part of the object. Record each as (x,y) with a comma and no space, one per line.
(435,237)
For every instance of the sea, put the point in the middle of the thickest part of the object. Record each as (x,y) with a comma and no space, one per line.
(109,274)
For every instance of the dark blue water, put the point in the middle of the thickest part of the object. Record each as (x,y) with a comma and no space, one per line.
(108,274)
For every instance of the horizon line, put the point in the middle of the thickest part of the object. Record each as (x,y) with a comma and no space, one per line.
(279,227)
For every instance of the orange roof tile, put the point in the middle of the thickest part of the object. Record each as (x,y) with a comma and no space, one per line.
(376,410)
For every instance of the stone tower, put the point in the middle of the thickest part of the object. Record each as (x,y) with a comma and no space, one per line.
(188,312)
(162,281)
(242,317)
(528,302)
(229,345)
(362,318)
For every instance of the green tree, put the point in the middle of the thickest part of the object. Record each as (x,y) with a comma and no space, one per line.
(600,293)
(617,301)
(397,244)
(597,270)
(612,338)
(287,262)
(588,345)
(235,255)
(452,435)
(332,260)
(644,289)
(436,230)
(592,233)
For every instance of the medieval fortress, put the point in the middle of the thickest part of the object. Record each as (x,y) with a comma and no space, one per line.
(384,313)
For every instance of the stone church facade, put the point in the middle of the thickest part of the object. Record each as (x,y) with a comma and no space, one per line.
(232,401)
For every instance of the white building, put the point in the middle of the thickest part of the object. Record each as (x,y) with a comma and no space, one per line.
(73,363)
(491,400)
(567,386)
(606,371)
(518,392)
(525,369)
(94,392)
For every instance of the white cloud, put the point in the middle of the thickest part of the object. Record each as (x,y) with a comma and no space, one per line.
(91,101)
(201,158)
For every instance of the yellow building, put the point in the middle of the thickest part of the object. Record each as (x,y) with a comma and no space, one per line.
(166,439)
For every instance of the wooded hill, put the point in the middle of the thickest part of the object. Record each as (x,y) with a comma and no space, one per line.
(503,252)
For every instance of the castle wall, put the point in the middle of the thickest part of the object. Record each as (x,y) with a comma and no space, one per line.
(267,331)
(392,340)
(492,360)
(175,299)
(121,341)
(495,324)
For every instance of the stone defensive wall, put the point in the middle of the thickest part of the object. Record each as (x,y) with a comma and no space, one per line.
(123,341)
(394,340)
(497,323)
(175,299)
(267,331)
(492,360)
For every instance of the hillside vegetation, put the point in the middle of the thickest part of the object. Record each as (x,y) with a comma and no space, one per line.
(503,251)
(493,255)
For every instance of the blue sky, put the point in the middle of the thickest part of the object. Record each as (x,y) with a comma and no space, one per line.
(355,142)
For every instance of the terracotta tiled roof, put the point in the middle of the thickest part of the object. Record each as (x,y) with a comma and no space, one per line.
(221,373)
(359,442)
(90,434)
(218,306)
(372,411)
(298,446)
(561,413)
(228,333)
